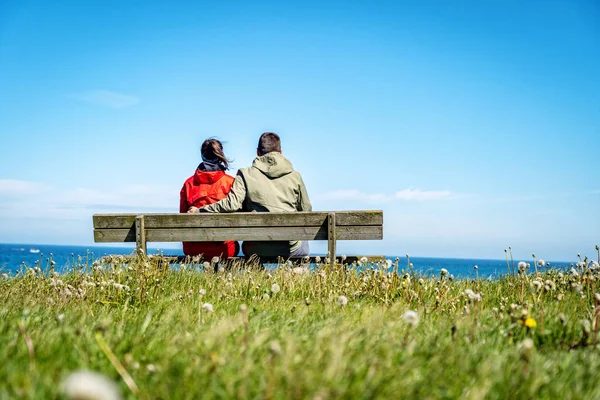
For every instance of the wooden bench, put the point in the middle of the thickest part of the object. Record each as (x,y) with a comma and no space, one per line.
(330,226)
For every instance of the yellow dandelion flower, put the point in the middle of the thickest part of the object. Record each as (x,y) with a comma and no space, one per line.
(530,323)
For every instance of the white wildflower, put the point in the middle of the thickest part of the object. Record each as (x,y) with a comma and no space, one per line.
(275,288)
(87,385)
(526,348)
(411,317)
(522,266)
(342,301)
(444,271)
(541,263)
(574,273)
(388,264)
(474,297)
(207,307)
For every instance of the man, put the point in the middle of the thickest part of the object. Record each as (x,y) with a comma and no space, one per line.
(269,185)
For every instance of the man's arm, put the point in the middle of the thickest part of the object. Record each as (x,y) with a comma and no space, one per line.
(234,200)
(303,201)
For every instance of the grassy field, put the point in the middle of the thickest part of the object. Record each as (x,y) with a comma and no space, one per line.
(289,333)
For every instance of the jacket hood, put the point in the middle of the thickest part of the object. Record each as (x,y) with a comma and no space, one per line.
(207,176)
(273,165)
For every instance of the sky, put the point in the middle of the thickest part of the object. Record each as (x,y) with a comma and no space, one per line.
(473,125)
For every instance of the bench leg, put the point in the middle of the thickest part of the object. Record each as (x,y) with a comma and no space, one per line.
(331,235)
(140,234)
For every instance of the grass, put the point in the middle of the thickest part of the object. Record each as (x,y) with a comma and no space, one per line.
(333,333)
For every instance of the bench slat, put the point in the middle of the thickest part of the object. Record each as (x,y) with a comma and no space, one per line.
(248,233)
(316,219)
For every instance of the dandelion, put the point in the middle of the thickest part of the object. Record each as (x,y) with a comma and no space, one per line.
(266,296)
(275,288)
(597,297)
(215,260)
(243,308)
(207,307)
(363,260)
(300,270)
(87,385)
(206,264)
(388,264)
(444,272)
(60,317)
(526,349)
(474,297)
(522,266)
(5,276)
(411,317)
(573,272)
(530,323)
(317,259)
(541,263)
(343,257)
(537,285)
(275,348)
(202,292)
(342,301)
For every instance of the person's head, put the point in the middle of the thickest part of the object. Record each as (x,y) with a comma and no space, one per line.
(212,152)
(267,143)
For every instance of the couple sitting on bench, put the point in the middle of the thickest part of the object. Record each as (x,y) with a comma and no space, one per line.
(269,185)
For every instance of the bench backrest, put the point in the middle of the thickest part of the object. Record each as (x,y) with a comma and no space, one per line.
(331,226)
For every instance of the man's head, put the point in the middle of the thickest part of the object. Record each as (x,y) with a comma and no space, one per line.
(267,143)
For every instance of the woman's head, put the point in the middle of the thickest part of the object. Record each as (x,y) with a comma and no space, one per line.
(212,152)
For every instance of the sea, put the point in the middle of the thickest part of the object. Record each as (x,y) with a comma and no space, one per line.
(13,257)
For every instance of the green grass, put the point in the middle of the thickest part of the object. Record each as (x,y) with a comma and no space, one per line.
(300,342)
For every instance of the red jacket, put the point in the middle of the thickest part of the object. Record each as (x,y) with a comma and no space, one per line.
(199,190)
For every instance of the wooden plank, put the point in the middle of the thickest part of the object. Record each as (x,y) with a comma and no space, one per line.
(222,234)
(118,258)
(203,220)
(140,234)
(331,236)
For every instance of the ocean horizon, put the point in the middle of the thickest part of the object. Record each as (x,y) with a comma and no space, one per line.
(15,256)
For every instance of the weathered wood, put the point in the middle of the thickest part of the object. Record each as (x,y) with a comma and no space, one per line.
(196,259)
(223,234)
(140,234)
(203,220)
(331,236)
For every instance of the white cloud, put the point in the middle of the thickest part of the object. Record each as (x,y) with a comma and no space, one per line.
(409,194)
(107,98)
(22,199)
(11,187)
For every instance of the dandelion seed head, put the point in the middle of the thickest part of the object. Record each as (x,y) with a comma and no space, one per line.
(342,301)
(207,307)
(87,385)
(411,317)
(541,263)
(444,271)
(275,288)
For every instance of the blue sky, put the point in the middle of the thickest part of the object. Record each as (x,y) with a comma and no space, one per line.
(474,125)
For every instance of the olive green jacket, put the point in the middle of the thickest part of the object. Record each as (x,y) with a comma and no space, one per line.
(269,185)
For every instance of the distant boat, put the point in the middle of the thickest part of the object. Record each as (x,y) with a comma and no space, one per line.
(34,250)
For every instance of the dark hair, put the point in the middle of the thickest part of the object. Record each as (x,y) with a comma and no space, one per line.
(269,142)
(212,151)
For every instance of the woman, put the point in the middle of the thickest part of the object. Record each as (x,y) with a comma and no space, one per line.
(208,185)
